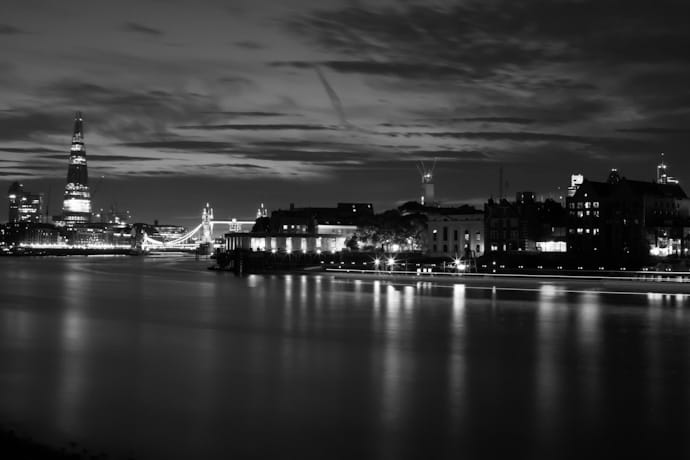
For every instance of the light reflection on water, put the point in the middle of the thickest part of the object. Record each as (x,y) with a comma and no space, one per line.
(131,354)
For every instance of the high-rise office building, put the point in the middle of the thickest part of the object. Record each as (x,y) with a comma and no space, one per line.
(76,207)
(14,197)
(23,206)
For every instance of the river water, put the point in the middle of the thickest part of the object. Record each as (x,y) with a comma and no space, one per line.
(162,359)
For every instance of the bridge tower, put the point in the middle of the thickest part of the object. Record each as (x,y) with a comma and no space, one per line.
(207,224)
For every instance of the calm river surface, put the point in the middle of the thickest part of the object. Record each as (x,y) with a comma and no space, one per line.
(163,359)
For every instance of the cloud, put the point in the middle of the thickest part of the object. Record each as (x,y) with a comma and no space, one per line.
(32,150)
(508,120)
(6,29)
(181,144)
(249,45)
(397,68)
(257,127)
(20,125)
(141,29)
(654,130)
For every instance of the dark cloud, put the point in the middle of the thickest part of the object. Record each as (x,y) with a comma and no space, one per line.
(32,150)
(238,114)
(134,114)
(508,120)
(235,81)
(16,174)
(488,34)
(397,69)
(141,29)
(654,130)
(237,166)
(20,125)
(181,144)
(257,127)
(250,45)
(6,29)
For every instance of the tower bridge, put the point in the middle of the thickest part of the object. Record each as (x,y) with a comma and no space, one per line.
(201,234)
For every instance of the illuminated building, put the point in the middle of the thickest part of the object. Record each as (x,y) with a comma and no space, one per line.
(662,176)
(622,220)
(76,208)
(525,225)
(261,212)
(303,230)
(14,197)
(24,206)
(575,181)
(455,232)
(427,197)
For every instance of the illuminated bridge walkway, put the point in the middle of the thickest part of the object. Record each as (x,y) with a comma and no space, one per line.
(202,233)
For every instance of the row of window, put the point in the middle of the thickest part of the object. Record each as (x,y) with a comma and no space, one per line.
(584,231)
(584,205)
(581,214)
(434,232)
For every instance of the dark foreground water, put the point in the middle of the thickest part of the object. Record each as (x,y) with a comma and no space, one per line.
(164,359)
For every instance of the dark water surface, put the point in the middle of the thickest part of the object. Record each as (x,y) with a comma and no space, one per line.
(166,360)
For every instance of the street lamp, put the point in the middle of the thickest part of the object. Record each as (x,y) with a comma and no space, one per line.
(391,263)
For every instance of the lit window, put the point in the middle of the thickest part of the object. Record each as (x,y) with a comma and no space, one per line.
(595,231)
(595,204)
(588,204)
(579,231)
(580,214)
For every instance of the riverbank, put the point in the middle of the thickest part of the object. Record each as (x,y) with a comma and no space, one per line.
(635,283)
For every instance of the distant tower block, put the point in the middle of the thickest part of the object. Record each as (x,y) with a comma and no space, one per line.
(575,181)
(76,207)
(206,230)
(261,212)
(662,176)
(427,198)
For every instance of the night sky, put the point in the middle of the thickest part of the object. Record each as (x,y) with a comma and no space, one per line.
(315,102)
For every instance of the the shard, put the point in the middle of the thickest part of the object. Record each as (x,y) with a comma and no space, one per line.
(76,207)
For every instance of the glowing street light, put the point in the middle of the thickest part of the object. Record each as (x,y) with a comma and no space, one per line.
(460,265)
(391,262)
(377,262)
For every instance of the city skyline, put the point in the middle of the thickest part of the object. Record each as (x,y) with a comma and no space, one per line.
(314,105)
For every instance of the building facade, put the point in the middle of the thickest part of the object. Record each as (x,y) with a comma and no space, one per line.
(525,225)
(24,206)
(455,233)
(627,220)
